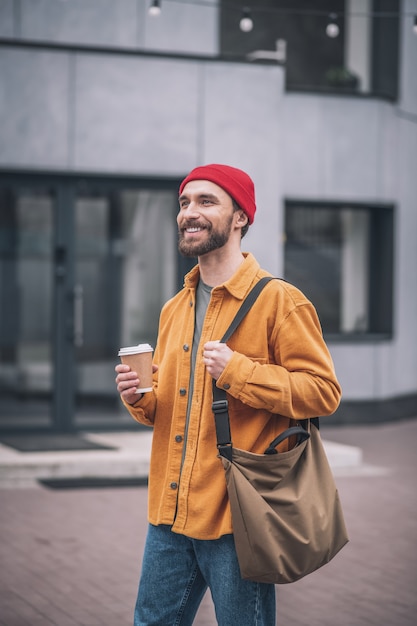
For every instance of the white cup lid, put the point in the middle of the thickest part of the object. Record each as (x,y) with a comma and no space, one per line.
(141,347)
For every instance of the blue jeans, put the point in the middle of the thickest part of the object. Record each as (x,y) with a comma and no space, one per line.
(176,572)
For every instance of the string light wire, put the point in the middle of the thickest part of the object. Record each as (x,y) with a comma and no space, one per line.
(246,22)
(258,8)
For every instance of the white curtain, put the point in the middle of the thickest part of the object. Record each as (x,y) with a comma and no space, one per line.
(149,274)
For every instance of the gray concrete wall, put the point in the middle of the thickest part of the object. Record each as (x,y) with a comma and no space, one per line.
(366,151)
(158,115)
(363,151)
(81,111)
(124,24)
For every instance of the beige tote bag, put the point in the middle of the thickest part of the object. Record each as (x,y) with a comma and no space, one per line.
(286,513)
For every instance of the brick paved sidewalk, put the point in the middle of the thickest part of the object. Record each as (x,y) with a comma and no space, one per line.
(72,557)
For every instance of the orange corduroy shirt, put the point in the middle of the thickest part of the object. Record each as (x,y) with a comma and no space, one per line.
(281,370)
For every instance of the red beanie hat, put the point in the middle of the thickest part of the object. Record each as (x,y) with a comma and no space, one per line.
(236,182)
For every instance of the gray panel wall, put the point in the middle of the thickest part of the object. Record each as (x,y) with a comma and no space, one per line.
(7,19)
(81,111)
(34,108)
(126,24)
(337,147)
(132,115)
(363,151)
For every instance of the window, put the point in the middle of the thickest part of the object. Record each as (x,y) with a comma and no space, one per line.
(362,58)
(341,257)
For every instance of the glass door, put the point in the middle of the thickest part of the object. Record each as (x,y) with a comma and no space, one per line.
(26,292)
(85,267)
(125,252)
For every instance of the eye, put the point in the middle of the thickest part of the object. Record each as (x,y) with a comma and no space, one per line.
(208,200)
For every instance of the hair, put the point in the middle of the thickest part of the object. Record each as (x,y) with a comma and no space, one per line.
(245,228)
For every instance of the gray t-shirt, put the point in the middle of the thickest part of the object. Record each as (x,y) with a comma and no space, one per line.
(203,294)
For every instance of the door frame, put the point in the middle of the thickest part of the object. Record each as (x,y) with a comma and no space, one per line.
(63,188)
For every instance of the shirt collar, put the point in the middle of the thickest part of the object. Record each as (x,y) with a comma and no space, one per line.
(238,285)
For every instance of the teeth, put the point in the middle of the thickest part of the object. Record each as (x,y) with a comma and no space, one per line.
(193,230)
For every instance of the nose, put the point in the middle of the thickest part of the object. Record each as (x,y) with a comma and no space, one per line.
(191,207)
(189,211)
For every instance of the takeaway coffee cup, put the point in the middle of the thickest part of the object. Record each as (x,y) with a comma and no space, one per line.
(139,359)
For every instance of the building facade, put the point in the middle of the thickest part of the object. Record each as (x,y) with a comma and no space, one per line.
(105,108)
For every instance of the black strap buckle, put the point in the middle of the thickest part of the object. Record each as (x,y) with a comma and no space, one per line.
(220,406)
(226,450)
(221,418)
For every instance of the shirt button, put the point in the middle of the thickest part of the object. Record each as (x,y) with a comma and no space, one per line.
(173,485)
(186,347)
(226,386)
(178,438)
(183,391)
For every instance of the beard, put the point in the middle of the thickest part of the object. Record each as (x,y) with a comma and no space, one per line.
(216,239)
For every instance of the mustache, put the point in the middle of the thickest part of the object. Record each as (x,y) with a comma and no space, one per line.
(193,224)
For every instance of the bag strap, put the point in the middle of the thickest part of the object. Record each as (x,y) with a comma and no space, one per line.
(220,406)
(220,403)
(245,306)
(294,431)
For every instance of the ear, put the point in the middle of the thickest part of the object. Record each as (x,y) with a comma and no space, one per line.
(242,219)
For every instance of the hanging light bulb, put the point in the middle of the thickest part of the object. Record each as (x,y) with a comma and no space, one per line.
(415,25)
(332,28)
(246,22)
(155,8)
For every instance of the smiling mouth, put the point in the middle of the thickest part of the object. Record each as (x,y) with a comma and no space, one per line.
(193,229)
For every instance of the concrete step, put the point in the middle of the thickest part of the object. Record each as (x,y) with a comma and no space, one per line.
(129,460)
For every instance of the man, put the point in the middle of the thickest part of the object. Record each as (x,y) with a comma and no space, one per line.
(275,368)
